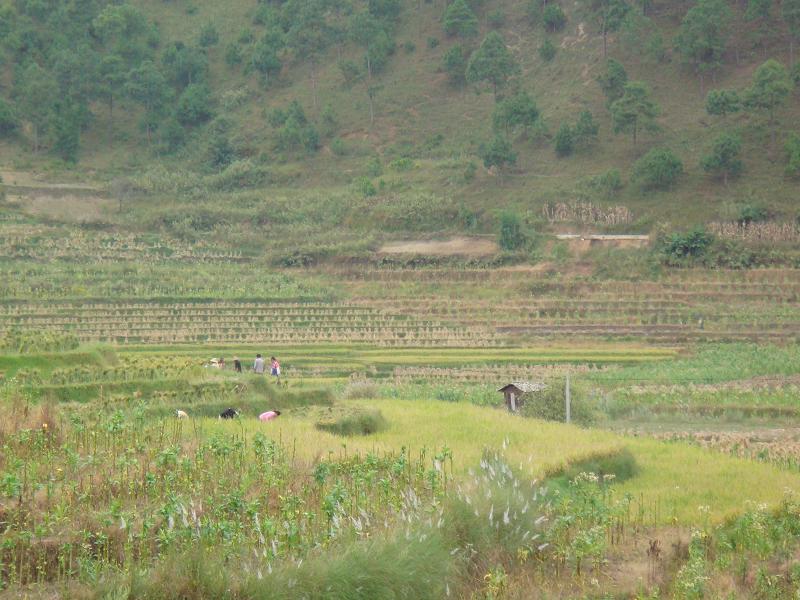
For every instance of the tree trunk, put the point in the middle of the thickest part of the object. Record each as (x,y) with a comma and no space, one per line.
(314,85)
(110,119)
(725,178)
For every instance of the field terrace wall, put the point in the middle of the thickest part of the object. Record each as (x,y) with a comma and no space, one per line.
(236,323)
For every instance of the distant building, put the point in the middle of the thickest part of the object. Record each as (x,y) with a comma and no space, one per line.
(515,392)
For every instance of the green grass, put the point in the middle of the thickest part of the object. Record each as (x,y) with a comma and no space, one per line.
(671,481)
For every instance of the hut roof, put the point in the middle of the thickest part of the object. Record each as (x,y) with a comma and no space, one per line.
(525,386)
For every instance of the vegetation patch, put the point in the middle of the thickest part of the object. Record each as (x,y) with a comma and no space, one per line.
(352,421)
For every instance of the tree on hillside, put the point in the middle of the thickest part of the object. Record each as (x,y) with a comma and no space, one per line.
(265,58)
(454,63)
(148,86)
(515,113)
(635,110)
(498,153)
(609,15)
(703,36)
(586,129)
(184,65)
(123,30)
(36,91)
(565,140)
(370,34)
(723,102)
(194,105)
(613,81)
(209,36)
(770,89)
(659,169)
(792,148)
(723,160)
(553,17)
(492,63)
(111,84)
(511,235)
(460,20)
(759,14)
(790,11)
(67,120)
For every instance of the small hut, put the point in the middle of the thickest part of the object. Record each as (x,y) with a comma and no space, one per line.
(515,392)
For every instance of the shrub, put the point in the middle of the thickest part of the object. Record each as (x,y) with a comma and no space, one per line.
(547,50)
(659,169)
(460,20)
(8,117)
(724,161)
(511,235)
(553,17)
(679,248)
(454,63)
(607,184)
(433,42)
(497,153)
(565,140)
(751,213)
(194,105)
(365,187)
(793,154)
(496,18)
(338,147)
(357,421)
(550,404)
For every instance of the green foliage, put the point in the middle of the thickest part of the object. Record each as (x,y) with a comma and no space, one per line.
(265,57)
(496,18)
(547,50)
(678,248)
(613,81)
(515,113)
(511,235)
(36,92)
(234,55)
(497,153)
(365,187)
(724,161)
(553,17)
(492,63)
(586,129)
(9,122)
(565,140)
(356,421)
(770,88)
(635,110)
(659,169)
(454,63)
(460,20)
(723,102)
(607,184)
(703,35)
(550,404)
(209,36)
(172,136)
(792,148)
(194,105)
(350,71)
(67,129)
(220,151)
(184,65)
(752,213)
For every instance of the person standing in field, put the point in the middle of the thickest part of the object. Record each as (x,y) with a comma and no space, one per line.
(276,369)
(269,415)
(258,365)
(237,364)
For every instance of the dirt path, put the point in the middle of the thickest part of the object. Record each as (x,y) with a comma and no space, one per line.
(455,246)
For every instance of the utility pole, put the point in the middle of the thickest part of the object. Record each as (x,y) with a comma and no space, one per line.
(567,399)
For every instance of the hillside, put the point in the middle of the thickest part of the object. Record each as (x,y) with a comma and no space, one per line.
(416,168)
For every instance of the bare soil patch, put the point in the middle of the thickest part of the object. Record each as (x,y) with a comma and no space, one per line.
(456,246)
(67,208)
